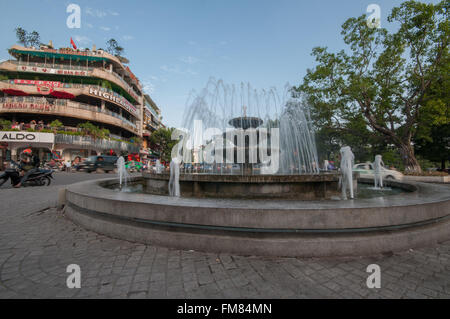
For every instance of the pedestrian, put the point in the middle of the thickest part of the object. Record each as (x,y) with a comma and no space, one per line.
(68,166)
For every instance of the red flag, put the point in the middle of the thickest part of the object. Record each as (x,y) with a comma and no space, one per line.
(73,44)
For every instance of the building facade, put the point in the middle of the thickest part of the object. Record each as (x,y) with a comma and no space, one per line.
(73,87)
(151,120)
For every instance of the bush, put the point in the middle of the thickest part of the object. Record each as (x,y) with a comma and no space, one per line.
(56,124)
(5,124)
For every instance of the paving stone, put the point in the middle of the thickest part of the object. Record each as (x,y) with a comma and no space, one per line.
(36,249)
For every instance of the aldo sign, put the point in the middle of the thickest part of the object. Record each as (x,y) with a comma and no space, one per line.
(27,137)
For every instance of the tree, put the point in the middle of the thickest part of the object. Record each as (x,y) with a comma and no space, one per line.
(382,76)
(161,141)
(432,139)
(34,39)
(114,48)
(21,35)
(28,39)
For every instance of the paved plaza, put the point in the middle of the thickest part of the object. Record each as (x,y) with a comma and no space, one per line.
(38,242)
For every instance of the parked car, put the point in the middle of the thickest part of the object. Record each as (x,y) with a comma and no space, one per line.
(99,163)
(366,170)
(444,170)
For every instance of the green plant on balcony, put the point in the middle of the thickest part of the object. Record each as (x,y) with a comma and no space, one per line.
(94,131)
(106,85)
(5,124)
(136,140)
(55,125)
(104,133)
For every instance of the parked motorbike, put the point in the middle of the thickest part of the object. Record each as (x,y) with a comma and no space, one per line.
(41,177)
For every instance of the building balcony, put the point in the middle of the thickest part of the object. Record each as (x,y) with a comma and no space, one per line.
(69,53)
(93,91)
(66,108)
(87,142)
(70,70)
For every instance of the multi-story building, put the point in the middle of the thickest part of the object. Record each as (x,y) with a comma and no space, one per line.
(72,86)
(151,120)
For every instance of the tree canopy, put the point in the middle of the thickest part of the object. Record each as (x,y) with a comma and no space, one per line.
(161,141)
(28,39)
(113,47)
(381,81)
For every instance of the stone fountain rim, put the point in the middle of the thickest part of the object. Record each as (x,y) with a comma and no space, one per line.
(434,194)
(258,229)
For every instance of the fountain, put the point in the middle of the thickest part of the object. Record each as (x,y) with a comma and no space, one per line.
(377,166)
(245,179)
(247,144)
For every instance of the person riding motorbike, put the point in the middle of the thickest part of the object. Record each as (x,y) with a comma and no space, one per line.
(29,164)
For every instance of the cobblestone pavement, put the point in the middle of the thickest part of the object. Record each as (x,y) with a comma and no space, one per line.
(37,246)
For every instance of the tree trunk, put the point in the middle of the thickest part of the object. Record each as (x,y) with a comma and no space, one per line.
(443,161)
(408,158)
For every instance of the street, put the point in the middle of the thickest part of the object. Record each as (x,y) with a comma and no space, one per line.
(37,243)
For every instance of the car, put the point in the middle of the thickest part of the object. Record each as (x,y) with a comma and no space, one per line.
(99,163)
(366,170)
(444,170)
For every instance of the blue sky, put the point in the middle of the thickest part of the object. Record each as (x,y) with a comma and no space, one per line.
(175,46)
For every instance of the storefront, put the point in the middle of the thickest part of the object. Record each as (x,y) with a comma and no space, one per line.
(14,142)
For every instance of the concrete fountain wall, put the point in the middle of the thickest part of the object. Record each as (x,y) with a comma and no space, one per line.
(272,227)
(300,187)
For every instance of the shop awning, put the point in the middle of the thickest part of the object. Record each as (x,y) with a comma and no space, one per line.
(14,92)
(62,95)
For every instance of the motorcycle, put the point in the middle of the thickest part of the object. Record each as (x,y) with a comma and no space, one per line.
(41,177)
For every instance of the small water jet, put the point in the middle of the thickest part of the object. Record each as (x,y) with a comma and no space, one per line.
(174,181)
(378,176)
(122,172)
(159,168)
(346,179)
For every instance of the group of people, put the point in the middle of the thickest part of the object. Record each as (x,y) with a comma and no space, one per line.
(69,164)
(37,126)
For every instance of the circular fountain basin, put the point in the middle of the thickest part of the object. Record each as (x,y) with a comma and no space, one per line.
(300,187)
(270,227)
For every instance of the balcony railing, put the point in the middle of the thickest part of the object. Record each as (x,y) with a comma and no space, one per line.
(89,142)
(96,87)
(66,103)
(78,86)
(128,87)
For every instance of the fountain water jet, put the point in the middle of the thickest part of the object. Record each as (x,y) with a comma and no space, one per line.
(377,166)
(346,180)
(174,181)
(122,172)
(220,106)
